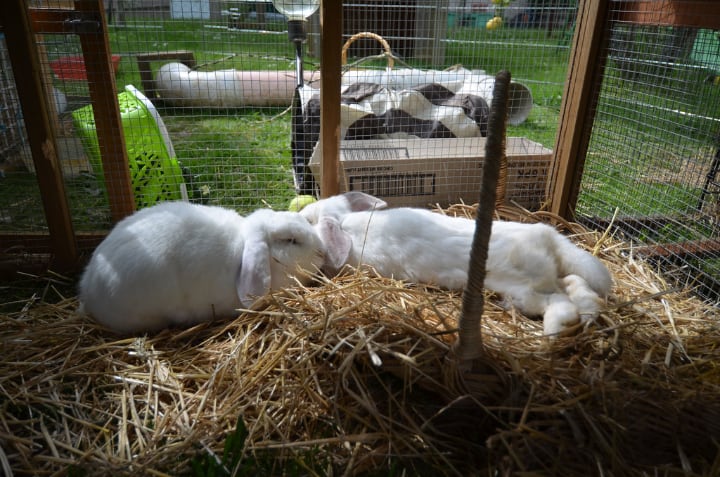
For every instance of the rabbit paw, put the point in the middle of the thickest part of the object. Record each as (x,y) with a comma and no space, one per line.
(561,317)
(588,302)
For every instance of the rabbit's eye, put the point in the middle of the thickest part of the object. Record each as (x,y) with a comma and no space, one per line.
(292,241)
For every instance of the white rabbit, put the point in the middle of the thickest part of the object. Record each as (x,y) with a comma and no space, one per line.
(525,261)
(178,263)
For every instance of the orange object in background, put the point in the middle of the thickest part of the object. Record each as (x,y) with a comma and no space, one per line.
(72,68)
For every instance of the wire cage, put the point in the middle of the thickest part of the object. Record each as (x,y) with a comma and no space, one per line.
(14,152)
(615,124)
(221,76)
(11,130)
(651,168)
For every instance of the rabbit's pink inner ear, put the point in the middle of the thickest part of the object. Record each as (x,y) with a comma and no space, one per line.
(253,279)
(337,241)
(360,201)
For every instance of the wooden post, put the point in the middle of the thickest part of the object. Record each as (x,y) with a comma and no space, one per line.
(576,112)
(103,93)
(27,69)
(330,80)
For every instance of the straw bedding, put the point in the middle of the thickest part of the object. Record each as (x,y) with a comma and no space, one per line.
(355,376)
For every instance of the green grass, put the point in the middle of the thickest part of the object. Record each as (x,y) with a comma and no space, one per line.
(241,160)
(531,55)
(213,49)
(251,164)
(236,460)
(24,209)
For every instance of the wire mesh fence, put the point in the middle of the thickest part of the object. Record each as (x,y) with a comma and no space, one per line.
(205,90)
(654,149)
(206,116)
(22,193)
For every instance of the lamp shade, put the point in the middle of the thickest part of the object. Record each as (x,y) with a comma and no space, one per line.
(296,9)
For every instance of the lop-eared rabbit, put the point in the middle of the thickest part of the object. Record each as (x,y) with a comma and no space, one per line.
(178,263)
(533,266)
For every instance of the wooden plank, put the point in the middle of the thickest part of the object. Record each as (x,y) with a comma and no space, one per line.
(681,250)
(36,243)
(34,102)
(12,266)
(103,93)
(633,227)
(330,82)
(32,252)
(685,13)
(576,112)
(51,20)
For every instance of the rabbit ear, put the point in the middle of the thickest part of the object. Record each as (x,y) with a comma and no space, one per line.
(360,201)
(253,279)
(337,241)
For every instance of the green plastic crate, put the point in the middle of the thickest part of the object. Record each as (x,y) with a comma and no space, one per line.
(155,172)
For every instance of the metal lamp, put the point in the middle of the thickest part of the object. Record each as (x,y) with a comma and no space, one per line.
(297,13)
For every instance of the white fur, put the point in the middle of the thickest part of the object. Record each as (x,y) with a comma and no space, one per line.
(525,261)
(178,263)
(588,301)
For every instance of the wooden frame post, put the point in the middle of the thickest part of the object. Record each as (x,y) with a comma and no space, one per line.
(32,95)
(87,21)
(331,28)
(577,110)
(95,45)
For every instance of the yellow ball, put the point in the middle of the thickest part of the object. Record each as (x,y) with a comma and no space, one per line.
(297,204)
(494,23)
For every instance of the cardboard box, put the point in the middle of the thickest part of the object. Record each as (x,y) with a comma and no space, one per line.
(422,172)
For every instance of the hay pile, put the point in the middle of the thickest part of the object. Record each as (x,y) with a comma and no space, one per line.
(353,376)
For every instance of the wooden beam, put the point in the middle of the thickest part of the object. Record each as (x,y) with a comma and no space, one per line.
(52,20)
(330,80)
(633,227)
(32,252)
(103,93)
(685,13)
(27,69)
(36,243)
(682,250)
(577,109)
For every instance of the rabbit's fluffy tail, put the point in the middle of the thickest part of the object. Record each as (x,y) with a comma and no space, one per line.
(574,260)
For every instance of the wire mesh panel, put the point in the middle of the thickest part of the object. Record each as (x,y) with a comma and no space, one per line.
(416,90)
(20,204)
(11,129)
(654,153)
(205,88)
(196,135)
(221,76)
